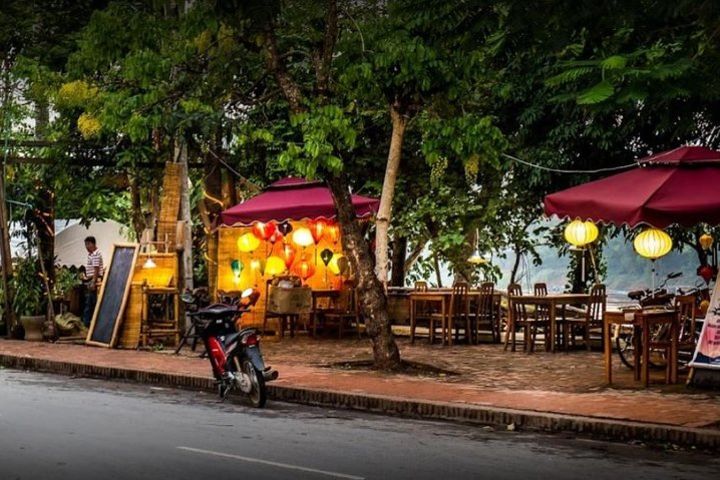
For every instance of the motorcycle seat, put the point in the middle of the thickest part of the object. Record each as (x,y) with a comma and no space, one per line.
(217,310)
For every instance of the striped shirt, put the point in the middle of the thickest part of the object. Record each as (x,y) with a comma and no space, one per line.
(94,263)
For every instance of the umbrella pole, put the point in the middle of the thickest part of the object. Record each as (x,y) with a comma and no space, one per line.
(653,279)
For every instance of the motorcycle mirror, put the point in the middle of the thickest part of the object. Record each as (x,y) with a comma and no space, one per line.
(247,292)
(675,275)
(187,298)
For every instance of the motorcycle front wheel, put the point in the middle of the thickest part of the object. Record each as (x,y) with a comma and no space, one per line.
(258,392)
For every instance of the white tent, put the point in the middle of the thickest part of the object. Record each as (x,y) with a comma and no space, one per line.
(70,241)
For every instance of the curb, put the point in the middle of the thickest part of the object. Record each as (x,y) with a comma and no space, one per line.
(469,414)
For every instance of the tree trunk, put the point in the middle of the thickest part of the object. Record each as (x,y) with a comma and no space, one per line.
(438,274)
(371,294)
(185,216)
(382,224)
(516,265)
(44,211)
(399,252)
(138,219)
(212,205)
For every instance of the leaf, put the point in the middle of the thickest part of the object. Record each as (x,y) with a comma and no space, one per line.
(614,62)
(596,94)
(568,76)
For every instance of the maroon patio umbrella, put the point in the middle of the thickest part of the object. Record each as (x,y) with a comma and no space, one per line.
(680,186)
(293,199)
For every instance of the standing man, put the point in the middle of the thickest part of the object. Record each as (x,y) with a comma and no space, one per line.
(93,274)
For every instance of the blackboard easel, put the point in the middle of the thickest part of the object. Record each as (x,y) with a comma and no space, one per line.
(113,295)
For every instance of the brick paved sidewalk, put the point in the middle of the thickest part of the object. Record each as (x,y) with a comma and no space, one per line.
(647,406)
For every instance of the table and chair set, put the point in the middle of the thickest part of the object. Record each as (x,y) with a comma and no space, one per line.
(562,321)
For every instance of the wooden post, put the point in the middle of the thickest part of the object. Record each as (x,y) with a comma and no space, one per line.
(6,257)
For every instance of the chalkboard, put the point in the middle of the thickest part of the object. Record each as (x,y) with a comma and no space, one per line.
(113,295)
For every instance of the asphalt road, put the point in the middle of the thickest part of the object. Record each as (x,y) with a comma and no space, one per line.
(58,428)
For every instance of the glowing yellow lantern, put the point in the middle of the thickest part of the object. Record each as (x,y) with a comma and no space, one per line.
(303,237)
(579,233)
(257,266)
(248,243)
(706,241)
(274,266)
(653,243)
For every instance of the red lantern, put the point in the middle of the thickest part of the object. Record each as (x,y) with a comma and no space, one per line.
(288,254)
(706,272)
(264,230)
(275,237)
(332,232)
(317,228)
(304,269)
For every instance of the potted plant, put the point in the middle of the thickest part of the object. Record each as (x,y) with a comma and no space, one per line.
(29,302)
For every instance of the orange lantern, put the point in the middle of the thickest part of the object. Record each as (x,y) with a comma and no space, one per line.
(332,232)
(317,228)
(264,230)
(288,254)
(304,269)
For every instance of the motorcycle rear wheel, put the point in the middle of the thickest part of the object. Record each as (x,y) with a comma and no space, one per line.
(258,392)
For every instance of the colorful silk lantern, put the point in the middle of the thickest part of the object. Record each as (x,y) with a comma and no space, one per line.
(275,237)
(326,255)
(706,241)
(579,233)
(248,242)
(653,243)
(237,267)
(317,229)
(332,232)
(264,230)
(285,228)
(257,266)
(304,269)
(288,254)
(274,266)
(303,237)
(706,272)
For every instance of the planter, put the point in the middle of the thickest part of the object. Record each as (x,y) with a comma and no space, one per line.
(33,327)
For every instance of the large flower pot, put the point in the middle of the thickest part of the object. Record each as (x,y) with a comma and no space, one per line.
(33,327)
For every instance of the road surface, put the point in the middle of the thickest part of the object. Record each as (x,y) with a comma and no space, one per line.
(58,428)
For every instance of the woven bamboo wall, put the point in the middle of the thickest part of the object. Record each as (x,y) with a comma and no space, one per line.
(228,251)
(165,274)
(170,207)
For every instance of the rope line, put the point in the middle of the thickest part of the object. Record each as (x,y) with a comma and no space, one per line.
(563,170)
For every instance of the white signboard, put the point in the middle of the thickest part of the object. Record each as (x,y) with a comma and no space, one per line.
(707,352)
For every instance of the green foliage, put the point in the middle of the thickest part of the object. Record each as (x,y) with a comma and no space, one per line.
(28,286)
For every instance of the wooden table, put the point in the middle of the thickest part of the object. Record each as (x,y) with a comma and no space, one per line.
(552,302)
(642,322)
(442,297)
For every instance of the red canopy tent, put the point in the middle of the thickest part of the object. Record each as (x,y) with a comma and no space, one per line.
(680,186)
(293,199)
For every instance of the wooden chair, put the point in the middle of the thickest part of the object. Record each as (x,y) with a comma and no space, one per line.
(422,312)
(519,319)
(591,319)
(343,313)
(485,315)
(458,314)
(687,312)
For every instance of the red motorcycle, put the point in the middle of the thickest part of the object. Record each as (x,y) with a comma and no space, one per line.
(235,355)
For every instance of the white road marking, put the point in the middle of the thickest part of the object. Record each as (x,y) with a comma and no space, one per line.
(273,464)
